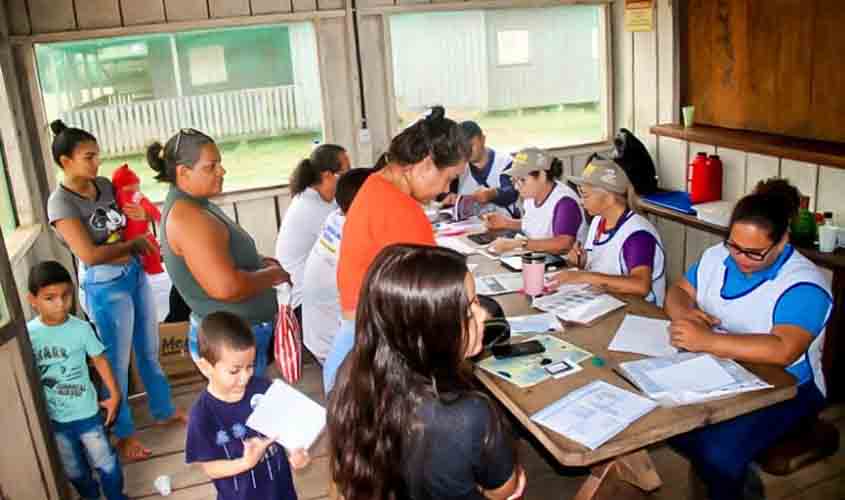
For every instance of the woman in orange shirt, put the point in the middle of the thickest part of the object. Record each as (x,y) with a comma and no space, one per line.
(421,163)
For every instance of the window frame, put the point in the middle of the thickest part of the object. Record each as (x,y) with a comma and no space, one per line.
(6,179)
(605,57)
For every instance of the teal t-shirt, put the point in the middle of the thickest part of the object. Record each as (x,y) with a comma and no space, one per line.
(60,354)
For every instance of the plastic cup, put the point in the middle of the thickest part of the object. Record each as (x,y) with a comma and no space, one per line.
(689,115)
(533,267)
(162,485)
(827,238)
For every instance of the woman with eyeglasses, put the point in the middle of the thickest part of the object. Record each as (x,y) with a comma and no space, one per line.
(753,298)
(114,288)
(421,162)
(404,420)
(623,252)
(553,219)
(212,261)
(312,189)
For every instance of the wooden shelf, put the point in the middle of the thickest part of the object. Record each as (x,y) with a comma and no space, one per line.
(833,260)
(830,154)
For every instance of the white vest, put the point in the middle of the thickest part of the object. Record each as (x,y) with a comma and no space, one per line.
(605,256)
(468,185)
(753,312)
(320,299)
(537,221)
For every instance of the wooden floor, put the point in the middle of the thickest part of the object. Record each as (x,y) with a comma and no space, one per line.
(821,481)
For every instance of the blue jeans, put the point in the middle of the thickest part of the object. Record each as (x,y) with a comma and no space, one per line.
(120,303)
(341,346)
(263,332)
(83,444)
(721,453)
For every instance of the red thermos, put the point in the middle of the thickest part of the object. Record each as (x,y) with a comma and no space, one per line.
(704,179)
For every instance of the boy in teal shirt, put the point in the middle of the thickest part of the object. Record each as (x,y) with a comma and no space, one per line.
(60,345)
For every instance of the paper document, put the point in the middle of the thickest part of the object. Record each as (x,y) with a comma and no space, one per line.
(534,323)
(289,415)
(594,413)
(578,304)
(456,244)
(525,371)
(498,284)
(700,374)
(643,336)
(641,374)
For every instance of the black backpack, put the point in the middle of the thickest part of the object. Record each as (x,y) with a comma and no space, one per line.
(631,154)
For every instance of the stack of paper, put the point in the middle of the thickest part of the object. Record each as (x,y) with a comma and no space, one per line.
(285,413)
(688,378)
(578,304)
(525,371)
(643,336)
(593,414)
(498,284)
(456,244)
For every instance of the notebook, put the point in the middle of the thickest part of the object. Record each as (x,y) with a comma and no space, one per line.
(292,417)
(578,304)
(673,200)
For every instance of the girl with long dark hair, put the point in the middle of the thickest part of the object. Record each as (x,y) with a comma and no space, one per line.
(403,420)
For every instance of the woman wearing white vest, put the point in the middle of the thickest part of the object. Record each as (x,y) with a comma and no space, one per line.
(623,252)
(553,219)
(485,179)
(753,298)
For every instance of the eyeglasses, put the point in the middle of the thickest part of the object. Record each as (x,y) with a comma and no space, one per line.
(184,131)
(755,255)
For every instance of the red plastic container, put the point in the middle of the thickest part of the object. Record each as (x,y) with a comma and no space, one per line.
(704,179)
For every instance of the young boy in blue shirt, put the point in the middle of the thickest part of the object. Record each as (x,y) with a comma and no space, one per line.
(242,463)
(60,344)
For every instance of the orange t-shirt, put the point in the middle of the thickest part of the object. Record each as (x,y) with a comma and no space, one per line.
(380,215)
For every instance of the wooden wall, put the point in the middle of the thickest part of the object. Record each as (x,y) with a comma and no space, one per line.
(767,66)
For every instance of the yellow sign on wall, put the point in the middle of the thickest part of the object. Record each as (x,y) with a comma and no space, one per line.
(639,15)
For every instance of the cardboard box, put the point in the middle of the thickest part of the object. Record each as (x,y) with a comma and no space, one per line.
(173,355)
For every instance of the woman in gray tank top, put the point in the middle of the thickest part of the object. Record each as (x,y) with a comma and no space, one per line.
(117,295)
(211,260)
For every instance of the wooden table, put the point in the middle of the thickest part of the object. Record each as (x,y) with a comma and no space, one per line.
(623,458)
(833,352)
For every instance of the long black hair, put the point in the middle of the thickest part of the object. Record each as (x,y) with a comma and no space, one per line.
(771,206)
(410,343)
(66,139)
(433,135)
(324,158)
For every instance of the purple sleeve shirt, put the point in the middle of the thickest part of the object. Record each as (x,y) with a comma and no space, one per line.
(567,218)
(638,250)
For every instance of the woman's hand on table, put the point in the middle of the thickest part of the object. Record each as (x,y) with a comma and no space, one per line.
(567,278)
(701,316)
(502,245)
(576,256)
(691,335)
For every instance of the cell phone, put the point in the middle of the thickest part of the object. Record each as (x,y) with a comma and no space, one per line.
(520,349)
(490,236)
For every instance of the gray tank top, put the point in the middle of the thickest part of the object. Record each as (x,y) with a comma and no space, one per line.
(260,308)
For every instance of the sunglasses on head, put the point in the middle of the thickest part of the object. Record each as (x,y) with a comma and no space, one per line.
(184,131)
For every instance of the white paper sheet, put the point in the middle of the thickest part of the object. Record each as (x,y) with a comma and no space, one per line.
(498,284)
(290,416)
(594,413)
(533,323)
(643,336)
(456,244)
(699,374)
(578,303)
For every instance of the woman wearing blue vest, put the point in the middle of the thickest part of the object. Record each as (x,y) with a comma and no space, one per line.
(752,298)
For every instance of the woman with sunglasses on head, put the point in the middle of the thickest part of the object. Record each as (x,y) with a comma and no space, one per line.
(404,420)
(553,219)
(753,298)
(212,261)
(114,288)
(421,162)
(312,189)
(623,252)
